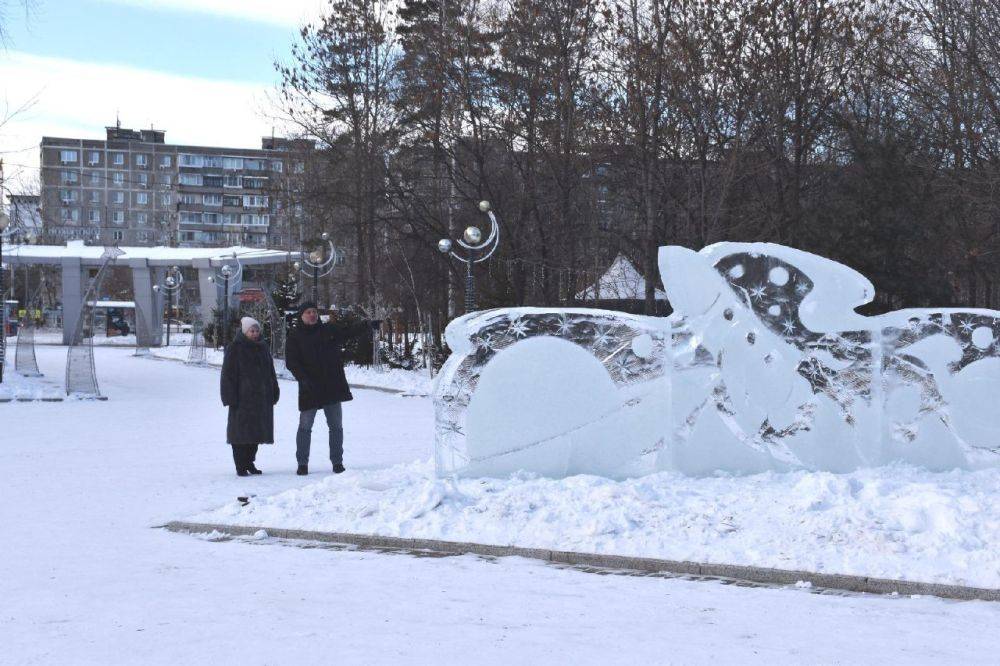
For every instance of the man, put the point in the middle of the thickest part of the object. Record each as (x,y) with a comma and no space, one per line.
(314,356)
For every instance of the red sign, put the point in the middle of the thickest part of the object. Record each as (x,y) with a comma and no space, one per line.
(251,296)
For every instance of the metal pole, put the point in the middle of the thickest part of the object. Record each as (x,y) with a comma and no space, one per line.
(315,284)
(3,313)
(225,311)
(470,286)
(170,312)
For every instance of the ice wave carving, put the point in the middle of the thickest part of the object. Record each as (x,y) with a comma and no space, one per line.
(764,365)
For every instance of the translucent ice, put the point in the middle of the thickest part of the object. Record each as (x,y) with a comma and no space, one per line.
(764,364)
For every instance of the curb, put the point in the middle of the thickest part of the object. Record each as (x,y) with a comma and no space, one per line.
(749,574)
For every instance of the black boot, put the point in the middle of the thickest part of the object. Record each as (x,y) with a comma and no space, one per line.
(253,469)
(338,468)
(242,472)
(239,458)
(302,470)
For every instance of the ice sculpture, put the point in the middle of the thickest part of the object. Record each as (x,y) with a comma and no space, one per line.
(764,365)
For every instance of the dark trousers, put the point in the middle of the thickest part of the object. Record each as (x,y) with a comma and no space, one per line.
(244,455)
(303,437)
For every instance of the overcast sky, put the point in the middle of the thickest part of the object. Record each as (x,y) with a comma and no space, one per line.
(200,69)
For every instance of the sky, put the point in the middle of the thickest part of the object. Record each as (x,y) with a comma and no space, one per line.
(203,70)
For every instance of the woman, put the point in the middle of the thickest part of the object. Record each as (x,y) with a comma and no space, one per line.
(250,390)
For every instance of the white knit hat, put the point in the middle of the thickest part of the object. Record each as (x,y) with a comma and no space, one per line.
(247,323)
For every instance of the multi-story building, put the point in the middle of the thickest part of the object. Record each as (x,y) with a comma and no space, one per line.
(134,189)
(26,215)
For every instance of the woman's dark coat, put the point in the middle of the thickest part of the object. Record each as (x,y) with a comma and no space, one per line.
(314,355)
(250,390)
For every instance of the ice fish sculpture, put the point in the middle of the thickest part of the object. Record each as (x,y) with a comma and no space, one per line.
(764,365)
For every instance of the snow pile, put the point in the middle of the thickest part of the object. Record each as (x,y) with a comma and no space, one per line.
(18,387)
(894,522)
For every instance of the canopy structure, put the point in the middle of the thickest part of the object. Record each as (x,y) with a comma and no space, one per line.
(148,266)
(621,282)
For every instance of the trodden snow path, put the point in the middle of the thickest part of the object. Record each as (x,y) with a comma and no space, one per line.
(84,579)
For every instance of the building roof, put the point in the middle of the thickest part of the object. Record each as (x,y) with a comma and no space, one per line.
(155,256)
(621,282)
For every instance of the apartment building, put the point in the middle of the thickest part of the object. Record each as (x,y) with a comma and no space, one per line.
(133,188)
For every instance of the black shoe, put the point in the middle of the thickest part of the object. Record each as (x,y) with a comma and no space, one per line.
(338,468)
(302,470)
(242,472)
(253,469)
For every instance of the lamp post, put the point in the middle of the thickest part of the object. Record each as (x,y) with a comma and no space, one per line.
(171,285)
(226,273)
(472,241)
(5,229)
(317,265)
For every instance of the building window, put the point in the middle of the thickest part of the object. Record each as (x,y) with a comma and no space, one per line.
(230,200)
(254,165)
(212,199)
(118,217)
(118,197)
(253,219)
(95,197)
(95,217)
(143,179)
(68,156)
(190,179)
(232,163)
(277,239)
(70,214)
(187,235)
(94,157)
(141,160)
(118,158)
(190,198)
(188,217)
(164,161)
(233,181)
(68,196)
(187,160)
(141,218)
(230,218)
(251,183)
(254,201)
(118,178)
(164,179)
(209,218)
(165,200)
(299,167)
(95,178)
(117,235)
(142,236)
(69,177)
(142,198)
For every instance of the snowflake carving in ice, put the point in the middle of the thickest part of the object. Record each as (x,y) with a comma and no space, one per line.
(564,327)
(518,328)
(788,326)
(967,326)
(602,337)
(757,293)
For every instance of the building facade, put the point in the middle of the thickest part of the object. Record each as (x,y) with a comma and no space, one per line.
(26,215)
(135,189)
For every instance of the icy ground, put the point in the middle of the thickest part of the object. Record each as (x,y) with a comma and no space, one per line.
(18,387)
(85,580)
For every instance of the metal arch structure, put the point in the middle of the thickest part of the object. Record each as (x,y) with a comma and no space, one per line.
(81,375)
(25,361)
(172,285)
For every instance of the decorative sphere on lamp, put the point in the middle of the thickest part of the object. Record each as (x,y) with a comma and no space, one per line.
(444,246)
(473,235)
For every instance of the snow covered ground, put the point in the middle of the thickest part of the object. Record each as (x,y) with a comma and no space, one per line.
(896,522)
(18,387)
(85,580)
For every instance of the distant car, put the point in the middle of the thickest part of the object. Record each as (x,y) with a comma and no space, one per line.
(178,326)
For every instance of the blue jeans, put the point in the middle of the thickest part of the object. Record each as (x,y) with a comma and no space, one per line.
(303,437)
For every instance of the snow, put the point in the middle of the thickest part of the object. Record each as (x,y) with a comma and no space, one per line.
(890,522)
(622,281)
(87,581)
(79,250)
(18,387)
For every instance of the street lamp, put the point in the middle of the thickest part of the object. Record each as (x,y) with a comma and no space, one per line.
(318,263)
(226,273)
(171,285)
(472,241)
(5,229)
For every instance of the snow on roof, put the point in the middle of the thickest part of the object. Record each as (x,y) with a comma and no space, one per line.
(157,255)
(621,282)
(111,304)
